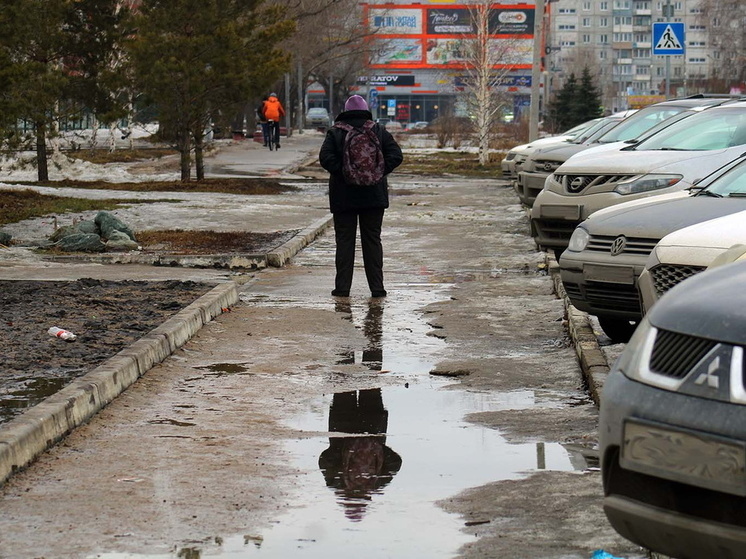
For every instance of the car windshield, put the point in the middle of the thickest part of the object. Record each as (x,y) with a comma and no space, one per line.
(596,131)
(731,183)
(640,122)
(316,111)
(714,129)
(580,128)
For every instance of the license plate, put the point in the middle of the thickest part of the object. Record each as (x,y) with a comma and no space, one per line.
(700,459)
(561,212)
(609,274)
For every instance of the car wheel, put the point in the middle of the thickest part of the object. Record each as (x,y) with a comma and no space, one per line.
(618,330)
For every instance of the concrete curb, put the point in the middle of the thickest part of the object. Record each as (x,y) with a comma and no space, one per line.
(23,439)
(593,363)
(287,250)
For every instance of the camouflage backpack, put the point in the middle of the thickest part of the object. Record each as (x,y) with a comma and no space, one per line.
(362,156)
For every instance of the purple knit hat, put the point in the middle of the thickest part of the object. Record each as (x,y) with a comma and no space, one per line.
(356,103)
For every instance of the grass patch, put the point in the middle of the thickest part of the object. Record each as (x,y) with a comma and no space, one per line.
(449,163)
(245,186)
(17,205)
(211,242)
(103,156)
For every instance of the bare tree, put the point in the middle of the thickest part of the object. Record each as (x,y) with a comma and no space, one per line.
(487,63)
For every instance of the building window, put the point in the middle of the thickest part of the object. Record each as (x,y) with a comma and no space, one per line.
(586,6)
(641,53)
(604,6)
(603,22)
(642,70)
(586,22)
(697,28)
(567,11)
(697,60)
(603,39)
(586,39)
(568,27)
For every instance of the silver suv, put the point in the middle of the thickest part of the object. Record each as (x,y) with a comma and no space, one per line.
(673,423)
(542,162)
(670,160)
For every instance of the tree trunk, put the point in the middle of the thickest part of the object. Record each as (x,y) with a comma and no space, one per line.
(41,153)
(185,147)
(199,160)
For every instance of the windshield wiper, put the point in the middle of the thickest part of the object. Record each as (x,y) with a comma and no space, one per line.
(705,192)
(737,195)
(673,149)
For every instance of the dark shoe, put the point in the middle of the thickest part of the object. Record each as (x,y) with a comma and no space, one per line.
(340,293)
(277,146)
(381,293)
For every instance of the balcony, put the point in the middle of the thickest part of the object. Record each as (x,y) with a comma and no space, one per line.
(642,12)
(623,61)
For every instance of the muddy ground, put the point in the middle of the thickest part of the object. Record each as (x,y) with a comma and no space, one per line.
(106,317)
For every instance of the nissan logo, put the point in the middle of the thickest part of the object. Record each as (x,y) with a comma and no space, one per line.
(548,166)
(618,246)
(577,182)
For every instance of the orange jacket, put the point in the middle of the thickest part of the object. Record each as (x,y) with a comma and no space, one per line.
(273,109)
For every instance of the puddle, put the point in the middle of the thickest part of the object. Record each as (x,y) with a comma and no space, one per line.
(28,393)
(225,368)
(373,463)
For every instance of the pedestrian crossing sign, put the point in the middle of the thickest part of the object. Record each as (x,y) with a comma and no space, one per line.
(668,38)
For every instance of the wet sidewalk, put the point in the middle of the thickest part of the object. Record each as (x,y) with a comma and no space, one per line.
(302,425)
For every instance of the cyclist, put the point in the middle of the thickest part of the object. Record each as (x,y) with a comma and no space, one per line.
(273,112)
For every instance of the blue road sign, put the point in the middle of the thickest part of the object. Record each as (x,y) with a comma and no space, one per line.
(668,38)
(373,99)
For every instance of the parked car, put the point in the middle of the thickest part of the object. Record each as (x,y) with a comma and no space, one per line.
(531,175)
(690,250)
(673,423)
(518,154)
(318,117)
(542,162)
(672,159)
(608,251)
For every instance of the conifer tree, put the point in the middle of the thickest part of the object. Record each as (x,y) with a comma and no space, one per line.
(54,52)
(192,58)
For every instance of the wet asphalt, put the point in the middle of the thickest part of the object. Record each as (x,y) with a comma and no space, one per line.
(385,411)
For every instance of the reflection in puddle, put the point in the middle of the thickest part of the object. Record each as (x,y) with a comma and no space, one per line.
(357,467)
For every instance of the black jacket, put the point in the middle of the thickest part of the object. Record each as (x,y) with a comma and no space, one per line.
(344,197)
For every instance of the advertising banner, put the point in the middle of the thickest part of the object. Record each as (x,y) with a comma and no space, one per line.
(420,36)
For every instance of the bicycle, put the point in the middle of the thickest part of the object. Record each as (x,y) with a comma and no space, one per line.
(274,134)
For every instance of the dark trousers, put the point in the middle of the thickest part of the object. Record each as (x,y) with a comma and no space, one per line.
(345,232)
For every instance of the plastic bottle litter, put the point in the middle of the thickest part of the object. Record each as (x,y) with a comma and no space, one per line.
(62,333)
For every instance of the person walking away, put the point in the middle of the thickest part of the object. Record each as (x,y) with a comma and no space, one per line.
(273,112)
(262,120)
(358,154)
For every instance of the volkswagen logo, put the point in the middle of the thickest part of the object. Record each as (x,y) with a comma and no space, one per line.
(618,246)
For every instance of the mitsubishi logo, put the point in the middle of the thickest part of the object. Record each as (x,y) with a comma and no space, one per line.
(710,377)
(618,246)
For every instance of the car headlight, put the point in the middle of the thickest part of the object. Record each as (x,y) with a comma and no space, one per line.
(646,183)
(633,362)
(578,240)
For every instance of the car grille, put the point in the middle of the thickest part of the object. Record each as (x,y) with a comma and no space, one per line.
(675,355)
(575,184)
(666,276)
(613,297)
(555,229)
(633,245)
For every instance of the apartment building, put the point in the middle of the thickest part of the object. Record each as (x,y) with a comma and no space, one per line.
(614,38)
